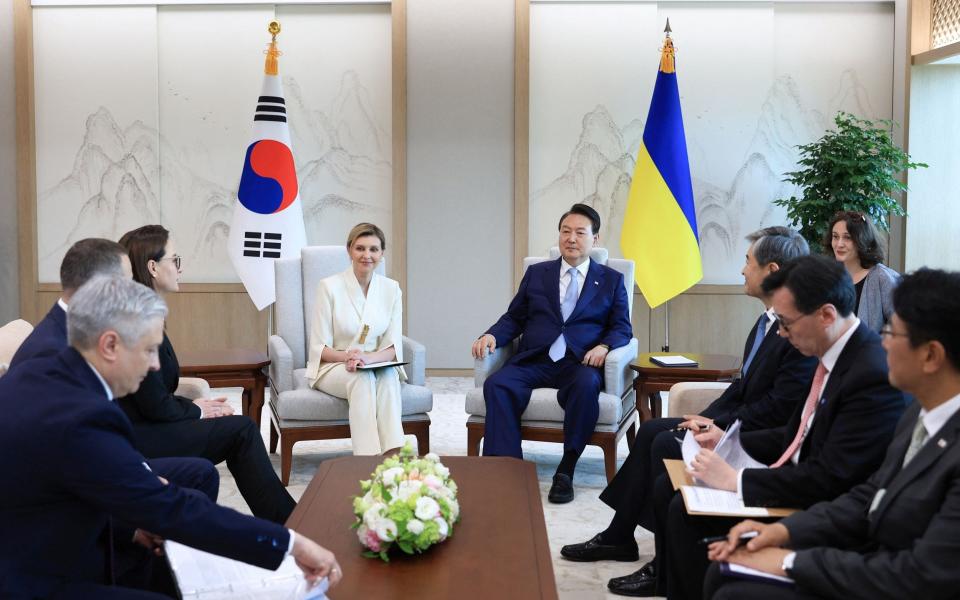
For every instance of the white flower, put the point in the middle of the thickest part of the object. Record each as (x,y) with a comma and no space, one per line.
(442,471)
(433,482)
(408,488)
(432,457)
(427,508)
(386,530)
(415,526)
(372,514)
(444,528)
(390,475)
(454,507)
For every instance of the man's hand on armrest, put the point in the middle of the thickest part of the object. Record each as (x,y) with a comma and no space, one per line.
(213,407)
(596,356)
(485,343)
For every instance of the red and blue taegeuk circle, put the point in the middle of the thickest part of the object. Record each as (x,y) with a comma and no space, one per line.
(269,180)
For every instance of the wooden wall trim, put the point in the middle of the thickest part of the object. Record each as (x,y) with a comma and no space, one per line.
(26,158)
(936,54)
(521,136)
(398,14)
(921,25)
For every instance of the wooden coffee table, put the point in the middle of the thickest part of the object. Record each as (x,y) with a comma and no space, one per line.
(653,379)
(230,368)
(498,549)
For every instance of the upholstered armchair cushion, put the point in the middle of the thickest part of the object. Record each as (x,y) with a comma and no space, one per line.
(193,388)
(544,406)
(304,403)
(11,336)
(617,375)
(691,397)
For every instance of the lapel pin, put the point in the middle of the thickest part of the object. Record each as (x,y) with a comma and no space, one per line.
(942,443)
(596,283)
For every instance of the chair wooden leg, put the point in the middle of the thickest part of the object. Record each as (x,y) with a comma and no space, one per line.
(274,437)
(474,435)
(286,458)
(609,447)
(632,433)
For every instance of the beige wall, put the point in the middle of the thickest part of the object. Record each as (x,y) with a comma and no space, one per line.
(933,226)
(9,301)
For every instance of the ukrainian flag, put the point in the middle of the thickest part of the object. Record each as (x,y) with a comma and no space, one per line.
(660,224)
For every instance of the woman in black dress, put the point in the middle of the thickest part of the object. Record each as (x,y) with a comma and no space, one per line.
(169,425)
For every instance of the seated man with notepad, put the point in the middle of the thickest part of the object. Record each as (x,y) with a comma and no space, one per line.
(834,440)
(774,379)
(897,535)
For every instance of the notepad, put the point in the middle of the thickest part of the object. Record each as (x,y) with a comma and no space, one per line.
(673,360)
(742,572)
(708,500)
(381,365)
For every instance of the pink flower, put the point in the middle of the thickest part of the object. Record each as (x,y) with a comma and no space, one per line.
(371,540)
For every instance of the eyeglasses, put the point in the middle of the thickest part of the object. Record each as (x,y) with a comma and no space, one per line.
(785,325)
(887,331)
(176,258)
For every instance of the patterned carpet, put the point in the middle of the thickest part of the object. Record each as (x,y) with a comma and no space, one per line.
(566,524)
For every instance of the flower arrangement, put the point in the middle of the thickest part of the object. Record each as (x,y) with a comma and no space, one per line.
(408,502)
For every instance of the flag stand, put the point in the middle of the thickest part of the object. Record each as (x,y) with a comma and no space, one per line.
(666,330)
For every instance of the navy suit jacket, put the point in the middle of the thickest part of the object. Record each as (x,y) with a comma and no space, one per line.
(908,546)
(768,393)
(852,428)
(68,463)
(601,315)
(49,337)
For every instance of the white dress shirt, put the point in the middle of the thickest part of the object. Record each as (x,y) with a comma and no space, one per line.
(565,276)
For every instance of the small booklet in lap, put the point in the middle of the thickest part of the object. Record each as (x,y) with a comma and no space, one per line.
(381,365)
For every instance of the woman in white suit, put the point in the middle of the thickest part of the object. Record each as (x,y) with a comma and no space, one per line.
(357,321)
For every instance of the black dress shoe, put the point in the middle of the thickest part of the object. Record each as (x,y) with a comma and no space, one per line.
(561,491)
(595,549)
(640,584)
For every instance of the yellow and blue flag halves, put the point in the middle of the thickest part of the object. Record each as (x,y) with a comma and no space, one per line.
(660,224)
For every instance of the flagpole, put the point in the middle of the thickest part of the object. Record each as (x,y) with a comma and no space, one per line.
(666,330)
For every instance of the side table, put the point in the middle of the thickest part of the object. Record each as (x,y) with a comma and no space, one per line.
(652,378)
(235,367)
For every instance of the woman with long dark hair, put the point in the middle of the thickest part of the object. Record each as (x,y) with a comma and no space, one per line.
(853,240)
(165,424)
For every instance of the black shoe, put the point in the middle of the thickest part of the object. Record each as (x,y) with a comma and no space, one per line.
(640,584)
(595,549)
(561,491)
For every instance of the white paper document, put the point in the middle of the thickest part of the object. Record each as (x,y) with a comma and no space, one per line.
(709,500)
(728,448)
(204,576)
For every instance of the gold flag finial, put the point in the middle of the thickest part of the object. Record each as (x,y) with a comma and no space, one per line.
(272,65)
(667,53)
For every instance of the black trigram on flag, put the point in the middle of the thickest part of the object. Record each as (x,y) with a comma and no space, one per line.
(254,241)
(271,108)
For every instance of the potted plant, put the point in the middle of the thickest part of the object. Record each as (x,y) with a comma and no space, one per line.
(854,167)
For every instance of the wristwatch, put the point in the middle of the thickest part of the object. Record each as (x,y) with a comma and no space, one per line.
(787,564)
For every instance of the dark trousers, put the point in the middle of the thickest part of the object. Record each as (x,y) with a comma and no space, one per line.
(234,439)
(720,587)
(629,493)
(135,568)
(91,591)
(507,393)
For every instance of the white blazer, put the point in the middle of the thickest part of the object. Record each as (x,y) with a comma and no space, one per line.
(341,312)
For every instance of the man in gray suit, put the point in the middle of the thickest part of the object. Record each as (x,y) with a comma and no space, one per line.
(898,534)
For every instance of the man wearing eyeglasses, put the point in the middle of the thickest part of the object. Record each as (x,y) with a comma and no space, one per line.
(835,439)
(897,535)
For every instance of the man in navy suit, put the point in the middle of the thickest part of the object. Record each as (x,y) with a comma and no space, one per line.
(774,379)
(84,260)
(68,465)
(897,535)
(571,312)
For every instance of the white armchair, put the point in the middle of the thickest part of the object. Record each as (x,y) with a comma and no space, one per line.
(542,421)
(11,336)
(692,397)
(299,412)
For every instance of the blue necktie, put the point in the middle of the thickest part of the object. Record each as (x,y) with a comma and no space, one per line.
(559,346)
(761,331)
